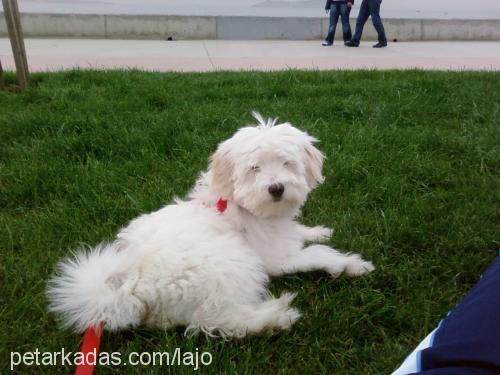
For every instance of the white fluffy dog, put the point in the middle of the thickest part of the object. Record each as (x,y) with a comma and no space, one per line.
(190,264)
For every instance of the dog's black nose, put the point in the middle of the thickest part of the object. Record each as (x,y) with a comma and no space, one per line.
(276,190)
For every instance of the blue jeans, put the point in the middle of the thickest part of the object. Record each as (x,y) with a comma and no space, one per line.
(336,10)
(369,8)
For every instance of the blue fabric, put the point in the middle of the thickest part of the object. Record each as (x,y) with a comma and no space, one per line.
(343,10)
(328,3)
(467,341)
(369,8)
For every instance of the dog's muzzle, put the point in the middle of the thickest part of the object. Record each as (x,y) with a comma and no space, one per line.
(276,191)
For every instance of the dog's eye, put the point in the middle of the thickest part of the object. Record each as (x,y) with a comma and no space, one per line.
(288,164)
(255,168)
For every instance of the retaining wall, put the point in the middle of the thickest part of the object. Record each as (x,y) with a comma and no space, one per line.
(240,28)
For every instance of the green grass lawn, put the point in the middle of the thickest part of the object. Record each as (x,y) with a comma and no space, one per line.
(411,183)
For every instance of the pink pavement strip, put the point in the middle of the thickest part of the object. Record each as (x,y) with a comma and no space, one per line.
(214,55)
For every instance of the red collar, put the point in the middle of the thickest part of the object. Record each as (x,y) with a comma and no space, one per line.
(221,205)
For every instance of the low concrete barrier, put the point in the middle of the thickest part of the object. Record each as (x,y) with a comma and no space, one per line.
(234,27)
(159,27)
(60,25)
(257,28)
(460,29)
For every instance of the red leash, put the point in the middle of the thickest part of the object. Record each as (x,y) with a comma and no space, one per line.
(90,350)
(92,337)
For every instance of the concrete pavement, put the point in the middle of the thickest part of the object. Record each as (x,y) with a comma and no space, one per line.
(213,55)
(426,9)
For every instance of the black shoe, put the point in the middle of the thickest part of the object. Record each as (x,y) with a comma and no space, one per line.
(380,45)
(351,43)
(326,43)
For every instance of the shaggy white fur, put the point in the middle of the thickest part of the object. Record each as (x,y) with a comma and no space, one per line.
(188,264)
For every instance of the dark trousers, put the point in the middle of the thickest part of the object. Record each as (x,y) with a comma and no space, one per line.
(342,10)
(468,340)
(369,8)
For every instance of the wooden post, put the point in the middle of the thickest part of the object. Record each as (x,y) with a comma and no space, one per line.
(13,21)
(2,82)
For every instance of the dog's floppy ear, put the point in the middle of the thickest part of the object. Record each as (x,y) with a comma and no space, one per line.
(221,169)
(313,164)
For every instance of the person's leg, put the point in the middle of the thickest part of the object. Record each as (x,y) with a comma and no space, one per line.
(346,26)
(467,341)
(334,18)
(364,13)
(377,21)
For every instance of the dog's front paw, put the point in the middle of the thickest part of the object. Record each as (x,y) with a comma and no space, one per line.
(321,234)
(356,266)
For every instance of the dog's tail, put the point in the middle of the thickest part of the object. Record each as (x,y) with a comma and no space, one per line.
(96,287)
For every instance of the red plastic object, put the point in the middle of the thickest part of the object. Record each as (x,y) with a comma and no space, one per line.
(221,205)
(90,344)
